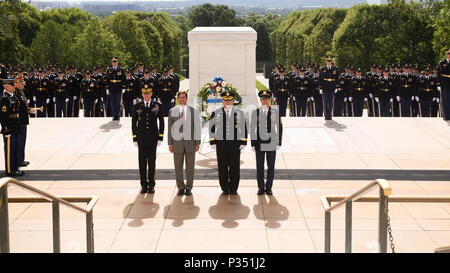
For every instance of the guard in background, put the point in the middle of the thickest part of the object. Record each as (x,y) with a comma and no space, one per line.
(41,95)
(24,120)
(61,96)
(384,93)
(9,118)
(89,94)
(147,124)
(166,91)
(115,86)
(359,84)
(266,131)
(281,86)
(444,79)
(129,97)
(228,131)
(328,79)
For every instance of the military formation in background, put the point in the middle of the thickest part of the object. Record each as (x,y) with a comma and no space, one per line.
(61,92)
(385,91)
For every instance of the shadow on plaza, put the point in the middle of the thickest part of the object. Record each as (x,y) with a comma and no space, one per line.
(210,163)
(111,125)
(142,207)
(182,208)
(229,208)
(272,212)
(332,124)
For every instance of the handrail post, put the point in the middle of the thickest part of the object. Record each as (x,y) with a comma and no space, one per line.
(382,222)
(89,232)
(348,227)
(327,231)
(4,220)
(56,227)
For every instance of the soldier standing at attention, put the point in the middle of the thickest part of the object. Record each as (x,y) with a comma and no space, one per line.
(166,91)
(228,136)
(115,80)
(384,93)
(9,118)
(281,87)
(147,124)
(129,97)
(327,85)
(41,95)
(89,94)
(444,79)
(62,93)
(24,120)
(266,131)
(359,84)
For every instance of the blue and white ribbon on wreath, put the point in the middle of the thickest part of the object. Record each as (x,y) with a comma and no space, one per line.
(217,80)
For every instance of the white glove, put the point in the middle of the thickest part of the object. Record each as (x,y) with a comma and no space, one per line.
(101,99)
(242,147)
(278,148)
(391,100)
(159,143)
(96,100)
(398,98)
(135,144)
(47,101)
(28,101)
(253,149)
(7,135)
(34,98)
(439,88)
(293,98)
(365,99)
(107,92)
(54,99)
(312,98)
(213,147)
(67,100)
(74,97)
(134,101)
(172,101)
(377,100)
(335,90)
(345,99)
(308,99)
(417,98)
(81,100)
(320,91)
(437,100)
(123,91)
(434,99)
(371,96)
(350,99)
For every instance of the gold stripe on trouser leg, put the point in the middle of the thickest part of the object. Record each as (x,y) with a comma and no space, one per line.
(8,154)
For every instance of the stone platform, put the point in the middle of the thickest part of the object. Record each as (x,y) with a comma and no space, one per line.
(96,157)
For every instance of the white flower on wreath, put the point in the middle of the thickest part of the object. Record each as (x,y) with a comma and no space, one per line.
(224,83)
(218,88)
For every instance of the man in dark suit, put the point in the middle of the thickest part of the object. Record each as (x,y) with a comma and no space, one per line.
(147,123)
(184,134)
(266,132)
(228,136)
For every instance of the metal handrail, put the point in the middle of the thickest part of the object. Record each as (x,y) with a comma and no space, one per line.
(4,219)
(385,191)
(443,249)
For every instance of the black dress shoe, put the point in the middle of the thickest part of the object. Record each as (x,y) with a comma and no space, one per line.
(269,192)
(233,193)
(19,173)
(225,193)
(24,164)
(260,192)
(188,192)
(143,190)
(152,190)
(180,192)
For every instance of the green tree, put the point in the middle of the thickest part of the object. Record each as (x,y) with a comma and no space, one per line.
(207,15)
(441,37)
(95,46)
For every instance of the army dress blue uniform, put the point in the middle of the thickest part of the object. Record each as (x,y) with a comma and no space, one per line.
(115,84)
(384,91)
(9,118)
(359,84)
(24,120)
(301,90)
(147,125)
(41,95)
(444,80)
(166,92)
(281,85)
(62,93)
(90,96)
(427,88)
(327,83)
(129,97)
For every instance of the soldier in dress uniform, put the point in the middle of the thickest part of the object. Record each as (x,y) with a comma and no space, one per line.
(228,136)
(62,94)
(9,118)
(76,95)
(371,80)
(327,85)
(51,91)
(41,95)
(115,86)
(435,104)
(281,87)
(24,119)
(406,91)
(359,92)
(147,124)
(266,130)
(444,80)
(338,101)
(301,91)
(166,92)
(152,82)
(89,94)
(176,81)
(139,70)
(427,89)
(384,93)
(100,105)
(272,76)
(348,99)
(129,97)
